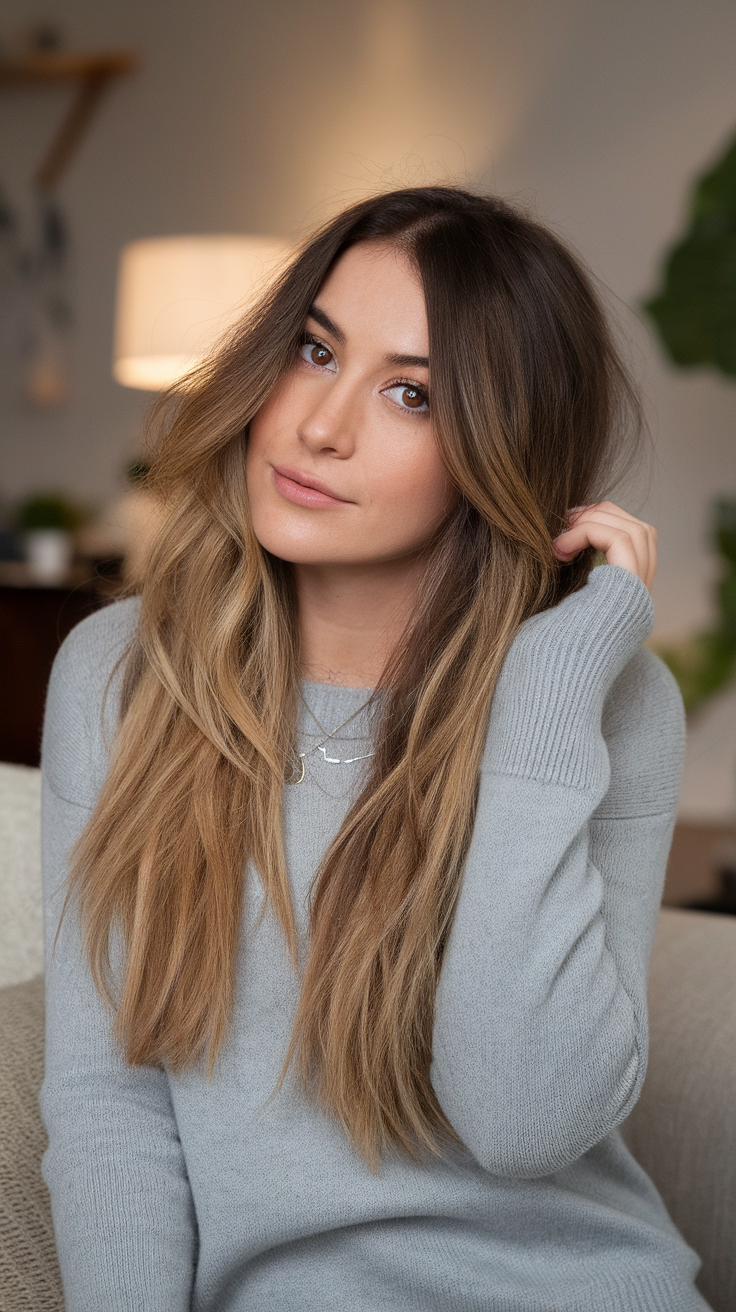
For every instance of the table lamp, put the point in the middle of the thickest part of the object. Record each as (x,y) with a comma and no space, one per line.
(178,295)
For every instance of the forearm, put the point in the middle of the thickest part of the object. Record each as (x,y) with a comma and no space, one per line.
(121,1202)
(540,1026)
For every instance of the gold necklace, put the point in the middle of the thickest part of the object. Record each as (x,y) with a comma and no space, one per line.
(319,747)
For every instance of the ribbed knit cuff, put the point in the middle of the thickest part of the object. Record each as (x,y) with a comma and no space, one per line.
(545,718)
(655,1291)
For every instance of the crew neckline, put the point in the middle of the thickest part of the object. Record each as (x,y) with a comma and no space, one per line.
(336,687)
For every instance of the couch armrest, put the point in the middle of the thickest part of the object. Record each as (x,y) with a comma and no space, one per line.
(683,1129)
(29,1269)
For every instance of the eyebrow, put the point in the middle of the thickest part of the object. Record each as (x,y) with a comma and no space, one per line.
(399,361)
(325,322)
(408,361)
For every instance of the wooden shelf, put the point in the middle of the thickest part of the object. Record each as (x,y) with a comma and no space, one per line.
(35,69)
(91,73)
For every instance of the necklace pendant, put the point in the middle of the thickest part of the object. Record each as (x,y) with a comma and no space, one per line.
(332,760)
(296,778)
(339,760)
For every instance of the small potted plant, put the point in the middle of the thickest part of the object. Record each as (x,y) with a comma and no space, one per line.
(47,523)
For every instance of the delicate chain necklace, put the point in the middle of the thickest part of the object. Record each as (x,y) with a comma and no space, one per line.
(320,746)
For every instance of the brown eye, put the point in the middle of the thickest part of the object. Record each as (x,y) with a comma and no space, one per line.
(408,397)
(320,354)
(314,352)
(411,397)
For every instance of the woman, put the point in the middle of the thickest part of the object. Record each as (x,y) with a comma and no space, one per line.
(348,995)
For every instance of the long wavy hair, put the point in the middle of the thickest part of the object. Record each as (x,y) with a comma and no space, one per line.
(533,413)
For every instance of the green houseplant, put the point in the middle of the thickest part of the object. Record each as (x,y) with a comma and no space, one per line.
(47,522)
(48,510)
(695,314)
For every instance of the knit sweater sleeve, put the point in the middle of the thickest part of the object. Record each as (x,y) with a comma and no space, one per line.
(121,1202)
(540,1040)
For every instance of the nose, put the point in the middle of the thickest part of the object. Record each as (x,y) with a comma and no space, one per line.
(330,425)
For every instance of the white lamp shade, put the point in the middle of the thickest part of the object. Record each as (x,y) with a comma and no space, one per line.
(178,295)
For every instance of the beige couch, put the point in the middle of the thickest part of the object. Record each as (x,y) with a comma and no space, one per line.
(683,1130)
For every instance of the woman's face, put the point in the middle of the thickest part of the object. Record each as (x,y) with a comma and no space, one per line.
(342,467)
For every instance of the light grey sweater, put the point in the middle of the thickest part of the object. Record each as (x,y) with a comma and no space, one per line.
(175,1193)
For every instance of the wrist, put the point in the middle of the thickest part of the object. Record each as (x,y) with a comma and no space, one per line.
(545,718)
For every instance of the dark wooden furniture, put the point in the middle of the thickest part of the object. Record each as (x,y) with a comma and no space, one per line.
(33,623)
(701,872)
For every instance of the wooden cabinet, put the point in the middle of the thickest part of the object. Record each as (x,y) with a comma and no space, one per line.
(33,623)
(701,871)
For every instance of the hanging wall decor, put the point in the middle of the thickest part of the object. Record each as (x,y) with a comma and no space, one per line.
(34,238)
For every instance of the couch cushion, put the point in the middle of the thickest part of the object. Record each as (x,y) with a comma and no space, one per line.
(21,924)
(29,1271)
(683,1129)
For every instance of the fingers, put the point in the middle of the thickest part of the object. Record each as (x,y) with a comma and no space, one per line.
(623,539)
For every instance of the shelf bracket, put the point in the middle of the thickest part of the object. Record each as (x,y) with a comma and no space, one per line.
(92,73)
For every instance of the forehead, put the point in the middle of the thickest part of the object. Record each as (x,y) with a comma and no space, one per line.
(373,291)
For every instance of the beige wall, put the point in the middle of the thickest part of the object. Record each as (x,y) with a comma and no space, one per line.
(262,118)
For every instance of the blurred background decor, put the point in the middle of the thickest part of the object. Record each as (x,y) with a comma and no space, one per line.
(36,298)
(695,311)
(177,295)
(46,584)
(695,315)
(47,524)
(34,237)
(705,662)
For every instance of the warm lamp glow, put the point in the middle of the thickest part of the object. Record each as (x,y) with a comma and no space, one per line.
(177,295)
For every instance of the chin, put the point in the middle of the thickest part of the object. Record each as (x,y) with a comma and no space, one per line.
(298,551)
(328,543)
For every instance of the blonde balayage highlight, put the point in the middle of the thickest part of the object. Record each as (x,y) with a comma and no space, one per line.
(529,405)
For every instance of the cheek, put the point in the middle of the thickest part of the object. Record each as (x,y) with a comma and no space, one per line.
(415,491)
(272,417)
(262,444)
(256,467)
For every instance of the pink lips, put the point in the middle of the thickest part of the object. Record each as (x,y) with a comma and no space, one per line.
(303,489)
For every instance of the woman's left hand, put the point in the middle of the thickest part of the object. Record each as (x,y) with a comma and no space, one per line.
(622,539)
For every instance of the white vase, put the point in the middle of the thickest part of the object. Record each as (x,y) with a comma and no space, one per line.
(49,554)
